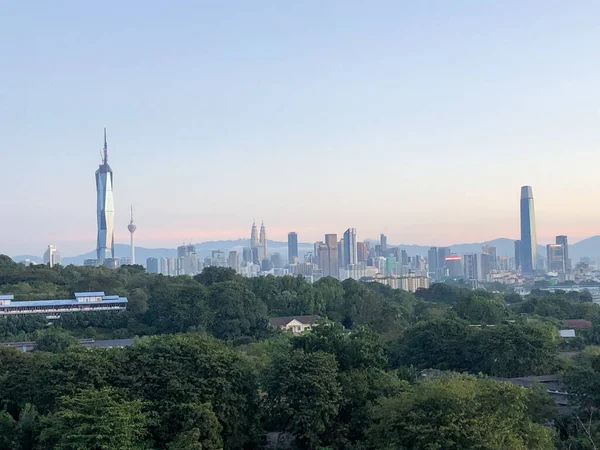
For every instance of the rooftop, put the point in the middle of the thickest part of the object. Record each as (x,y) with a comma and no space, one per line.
(282,321)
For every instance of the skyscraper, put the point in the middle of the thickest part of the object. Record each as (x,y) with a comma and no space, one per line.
(254,236)
(293,247)
(152,265)
(51,256)
(470,266)
(453,263)
(528,237)
(350,248)
(556,258)
(105,209)
(518,255)
(432,260)
(383,243)
(132,227)
(330,259)
(233,260)
(264,252)
(562,240)
(361,251)
(492,254)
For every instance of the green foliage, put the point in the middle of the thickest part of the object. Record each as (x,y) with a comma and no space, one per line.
(237,312)
(509,350)
(455,413)
(303,395)
(211,275)
(95,419)
(479,310)
(54,340)
(356,349)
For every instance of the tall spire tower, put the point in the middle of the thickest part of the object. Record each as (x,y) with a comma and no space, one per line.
(132,227)
(105,209)
(254,236)
(263,241)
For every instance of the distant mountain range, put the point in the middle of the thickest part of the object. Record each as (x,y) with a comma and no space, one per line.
(589,247)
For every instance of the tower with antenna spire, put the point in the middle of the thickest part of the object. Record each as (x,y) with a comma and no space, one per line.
(132,227)
(264,251)
(105,209)
(254,236)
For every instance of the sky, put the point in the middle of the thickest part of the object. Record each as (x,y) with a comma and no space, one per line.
(420,120)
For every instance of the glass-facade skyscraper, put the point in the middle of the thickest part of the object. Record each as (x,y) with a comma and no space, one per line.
(292,247)
(105,209)
(350,250)
(528,238)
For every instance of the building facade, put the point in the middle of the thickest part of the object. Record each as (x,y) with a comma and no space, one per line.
(528,235)
(105,209)
(293,248)
(350,247)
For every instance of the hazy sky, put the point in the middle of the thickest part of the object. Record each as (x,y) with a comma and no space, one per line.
(417,119)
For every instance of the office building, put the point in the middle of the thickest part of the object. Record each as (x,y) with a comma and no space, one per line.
(453,263)
(327,255)
(293,248)
(562,240)
(350,247)
(187,260)
(432,260)
(486,266)
(556,258)
(247,255)
(105,209)
(517,255)
(124,261)
(51,256)
(443,253)
(492,256)
(528,236)
(233,261)
(254,241)
(340,248)
(164,266)
(362,252)
(383,244)
(470,266)
(132,227)
(264,251)
(152,265)
(276,260)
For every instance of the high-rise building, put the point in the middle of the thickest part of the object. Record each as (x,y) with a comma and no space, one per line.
(152,265)
(328,256)
(233,261)
(132,227)
(105,209)
(492,256)
(164,266)
(518,255)
(350,247)
(486,266)
(556,258)
(470,266)
(383,243)
(276,260)
(443,253)
(187,260)
(361,251)
(528,236)
(340,251)
(254,241)
(293,247)
(247,255)
(453,263)
(264,251)
(562,240)
(403,257)
(432,260)
(51,256)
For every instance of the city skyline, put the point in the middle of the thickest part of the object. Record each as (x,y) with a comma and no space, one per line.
(313,96)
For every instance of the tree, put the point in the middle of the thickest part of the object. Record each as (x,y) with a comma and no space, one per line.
(138,301)
(303,395)
(198,427)
(437,344)
(479,310)
(8,431)
(237,311)
(356,349)
(55,340)
(455,413)
(95,419)
(213,274)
